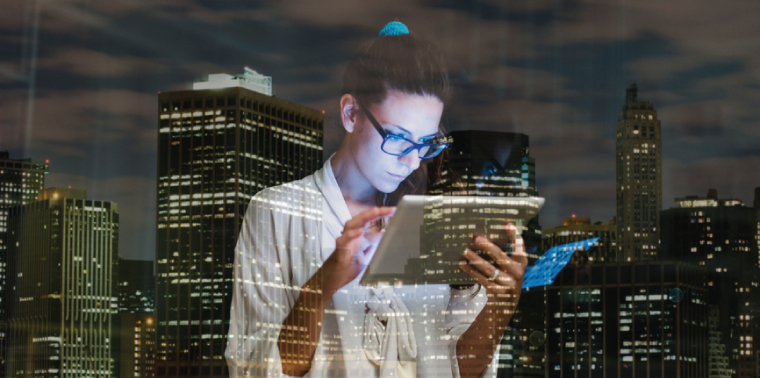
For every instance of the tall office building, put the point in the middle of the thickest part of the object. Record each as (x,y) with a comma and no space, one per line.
(64,302)
(20,181)
(494,164)
(721,235)
(639,319)
(576,229)
(638,179)
(218,145)
(491,164)
(488,163)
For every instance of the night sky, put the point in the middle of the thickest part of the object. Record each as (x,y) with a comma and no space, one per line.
(554,70)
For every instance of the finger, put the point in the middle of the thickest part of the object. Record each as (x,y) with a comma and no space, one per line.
(352,233)
(499,286)
(493,250)
(477,275)
(513,266)
(479,263)
(361,219)
(518,244)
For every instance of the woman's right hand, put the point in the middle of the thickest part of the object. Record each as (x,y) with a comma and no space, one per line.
(351,249)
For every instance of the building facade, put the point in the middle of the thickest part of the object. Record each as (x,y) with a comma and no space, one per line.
(20,181)
(576,229)
(638,179)
(217,147)
(498,165)
(722,234)
(138,345)
(488,163)
(643,319)
(63,317)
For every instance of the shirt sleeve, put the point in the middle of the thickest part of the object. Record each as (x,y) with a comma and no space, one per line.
(262,297)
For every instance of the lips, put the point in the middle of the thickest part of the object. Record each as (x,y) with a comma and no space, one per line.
(398,177)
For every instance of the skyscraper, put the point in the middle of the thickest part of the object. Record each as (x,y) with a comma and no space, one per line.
(20,181)
(721,234)
(64,302)
(491,163)
(218,146)
(496,164)
(488,163)
(638,179)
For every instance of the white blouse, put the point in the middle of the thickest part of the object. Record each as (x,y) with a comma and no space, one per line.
(288,232)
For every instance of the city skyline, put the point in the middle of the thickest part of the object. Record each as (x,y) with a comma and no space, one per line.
(536,70)
(621,116)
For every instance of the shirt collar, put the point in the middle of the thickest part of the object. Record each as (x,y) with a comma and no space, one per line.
(332,193)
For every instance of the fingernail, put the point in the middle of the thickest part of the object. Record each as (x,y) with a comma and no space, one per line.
(465,252)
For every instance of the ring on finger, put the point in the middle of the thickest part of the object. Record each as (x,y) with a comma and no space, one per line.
(494,276)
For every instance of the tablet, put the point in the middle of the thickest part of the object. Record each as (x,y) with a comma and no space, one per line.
(424,241)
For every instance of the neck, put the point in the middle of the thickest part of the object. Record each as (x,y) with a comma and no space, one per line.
(356,191)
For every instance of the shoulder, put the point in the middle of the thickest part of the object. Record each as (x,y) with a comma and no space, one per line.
(290,197)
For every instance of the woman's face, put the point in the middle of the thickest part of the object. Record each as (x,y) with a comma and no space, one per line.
(415,117)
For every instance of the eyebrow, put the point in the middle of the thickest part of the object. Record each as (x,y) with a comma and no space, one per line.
(409,133)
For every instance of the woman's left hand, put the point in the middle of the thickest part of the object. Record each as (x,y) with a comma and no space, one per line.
(506,287)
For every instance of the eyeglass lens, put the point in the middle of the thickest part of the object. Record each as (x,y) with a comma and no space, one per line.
(398,146)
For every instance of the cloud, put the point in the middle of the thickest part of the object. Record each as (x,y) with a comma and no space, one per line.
(135,199)
(584,198)
(64,121)
(97,64)
(694,121)
(733,177)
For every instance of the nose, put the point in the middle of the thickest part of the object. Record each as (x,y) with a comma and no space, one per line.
(411,160)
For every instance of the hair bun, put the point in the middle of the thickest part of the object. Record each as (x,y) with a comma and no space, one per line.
(393,28)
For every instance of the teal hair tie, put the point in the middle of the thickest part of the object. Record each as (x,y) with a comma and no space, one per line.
(393,28)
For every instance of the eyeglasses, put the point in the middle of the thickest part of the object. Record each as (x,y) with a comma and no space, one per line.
(397,145)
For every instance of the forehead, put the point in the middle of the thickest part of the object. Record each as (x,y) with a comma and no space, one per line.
(419,114)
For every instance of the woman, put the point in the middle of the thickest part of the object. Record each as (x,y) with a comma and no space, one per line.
(298,309)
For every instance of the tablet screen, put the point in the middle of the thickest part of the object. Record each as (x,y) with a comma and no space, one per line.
(424,241)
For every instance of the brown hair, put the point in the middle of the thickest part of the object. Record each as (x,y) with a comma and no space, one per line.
(408,64)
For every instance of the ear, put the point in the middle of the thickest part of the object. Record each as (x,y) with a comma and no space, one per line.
(349,111)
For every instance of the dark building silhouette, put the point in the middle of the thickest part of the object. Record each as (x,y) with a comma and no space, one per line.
(137,286)
(20,181)
(638,179)
(63,318)
(642,319)
(137,334)
(218,145)
(499,165)
(722,234)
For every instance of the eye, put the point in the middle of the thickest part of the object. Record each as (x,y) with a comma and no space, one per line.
(395,137)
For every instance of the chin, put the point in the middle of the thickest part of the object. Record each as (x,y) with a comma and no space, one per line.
(387,187)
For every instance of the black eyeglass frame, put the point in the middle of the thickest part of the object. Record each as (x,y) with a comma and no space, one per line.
(415,146)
